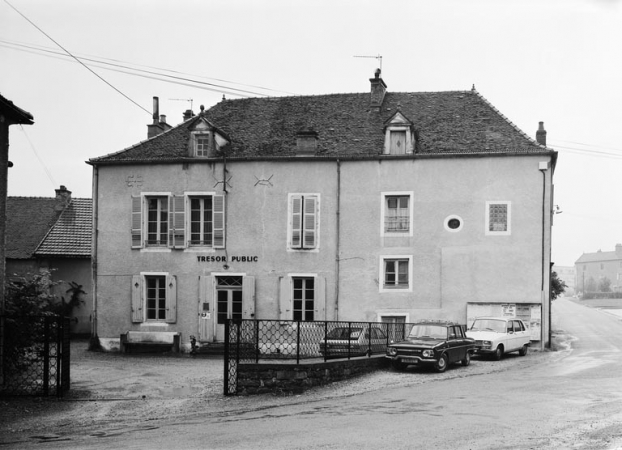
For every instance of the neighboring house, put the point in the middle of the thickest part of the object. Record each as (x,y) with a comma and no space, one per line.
(592,268)
(375,206)
(567,274)
(53,234)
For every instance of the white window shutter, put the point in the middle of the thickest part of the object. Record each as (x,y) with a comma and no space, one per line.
(137,299)
(296,211)
(320,298)
(137,222)
(177,221)
(219,221)
(285,299)
(206,297)
(248,298)
(171,299)
(310,225)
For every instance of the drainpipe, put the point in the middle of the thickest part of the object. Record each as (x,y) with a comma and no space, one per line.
(543,168)
(337,239)
(94,342)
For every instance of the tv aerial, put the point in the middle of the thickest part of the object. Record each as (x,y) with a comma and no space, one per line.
(378,57)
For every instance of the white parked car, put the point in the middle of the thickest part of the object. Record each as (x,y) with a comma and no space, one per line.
(498,335)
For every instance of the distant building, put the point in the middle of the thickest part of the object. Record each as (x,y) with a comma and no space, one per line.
(375,206)
(567,275)
(594,269)
(44,233)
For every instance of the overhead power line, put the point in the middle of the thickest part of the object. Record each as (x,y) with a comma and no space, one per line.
(77,59)
(172,76)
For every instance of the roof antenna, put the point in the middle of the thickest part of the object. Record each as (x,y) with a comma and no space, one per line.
(183,100)
(378,57)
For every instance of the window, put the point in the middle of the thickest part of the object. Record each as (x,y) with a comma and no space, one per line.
(154,298)
(157,221)
(453,223)
(396,273)
(178,221)
(498,218)
(303,221)
(201,145)
(303,298)
(397,214)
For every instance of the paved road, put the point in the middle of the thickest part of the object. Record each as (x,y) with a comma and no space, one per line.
(574,401)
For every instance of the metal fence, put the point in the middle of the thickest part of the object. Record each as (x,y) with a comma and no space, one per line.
(34,355)
(249,341)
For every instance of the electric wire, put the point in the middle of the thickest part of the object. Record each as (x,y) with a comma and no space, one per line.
(34,150)
(77,59)
(118,64)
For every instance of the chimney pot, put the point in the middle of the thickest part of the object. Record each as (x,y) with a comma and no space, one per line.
(541,134)
(156,109)
(162,118)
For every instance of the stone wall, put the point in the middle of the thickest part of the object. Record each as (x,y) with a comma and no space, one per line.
(292,379)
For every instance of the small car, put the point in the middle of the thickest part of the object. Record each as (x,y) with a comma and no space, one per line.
(495,336)
(342,342)
(435,343)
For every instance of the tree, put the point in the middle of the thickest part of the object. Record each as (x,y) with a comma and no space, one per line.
(604,285)
(558,286)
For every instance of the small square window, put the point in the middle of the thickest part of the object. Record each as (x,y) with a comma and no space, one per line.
(396,273)
(397,214)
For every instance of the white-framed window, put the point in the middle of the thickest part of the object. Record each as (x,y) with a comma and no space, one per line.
(201,144)
(154,297)
(396,273)
(498,218)
(302,296)
(162,220)
(397,214)
(303,221)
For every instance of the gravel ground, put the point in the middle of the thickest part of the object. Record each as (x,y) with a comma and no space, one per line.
(109,388)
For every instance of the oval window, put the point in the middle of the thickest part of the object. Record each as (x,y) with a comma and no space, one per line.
(453,223)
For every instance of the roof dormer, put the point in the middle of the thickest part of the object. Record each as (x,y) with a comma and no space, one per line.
(399,135)
(205,139)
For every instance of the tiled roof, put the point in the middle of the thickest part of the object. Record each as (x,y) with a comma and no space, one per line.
(599,257)
(71,235)
(454,122)
(37,226)
(28,220)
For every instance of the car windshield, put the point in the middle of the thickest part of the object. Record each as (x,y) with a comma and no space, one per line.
(344,333)
(429,331)
(488,325)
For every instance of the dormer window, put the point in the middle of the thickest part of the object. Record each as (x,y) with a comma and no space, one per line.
(306,142)
(398,135)
(201,145)
(205,140)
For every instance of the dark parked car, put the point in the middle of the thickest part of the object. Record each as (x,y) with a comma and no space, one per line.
(342,342)
(435,343)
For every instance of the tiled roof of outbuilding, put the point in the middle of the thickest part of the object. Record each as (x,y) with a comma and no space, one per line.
(28,220)
(70,237)
(36,226)
(453,122)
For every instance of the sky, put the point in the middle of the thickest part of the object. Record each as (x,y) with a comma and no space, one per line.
(559,62)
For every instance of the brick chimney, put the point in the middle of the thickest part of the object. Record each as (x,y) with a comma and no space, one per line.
(541,134)
(188,114)
(378,89)
(159,124)
(63,198)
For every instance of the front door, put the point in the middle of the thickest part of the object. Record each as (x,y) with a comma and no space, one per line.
(228,302)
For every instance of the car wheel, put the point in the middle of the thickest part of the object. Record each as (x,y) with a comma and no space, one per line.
(498,353)
(467,359)
(441,364)
(523,351)
(398,365)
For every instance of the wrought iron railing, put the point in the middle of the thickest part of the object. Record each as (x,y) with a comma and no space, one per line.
(34,355)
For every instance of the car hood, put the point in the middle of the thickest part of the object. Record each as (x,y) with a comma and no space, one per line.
(485,335)
(423,343)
